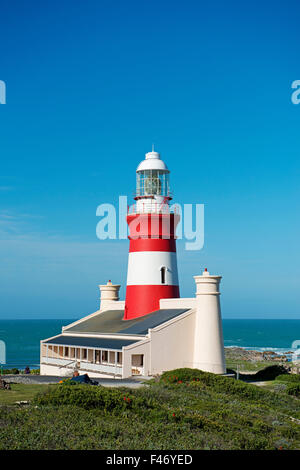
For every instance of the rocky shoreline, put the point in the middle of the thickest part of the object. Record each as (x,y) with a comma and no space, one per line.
(241,354)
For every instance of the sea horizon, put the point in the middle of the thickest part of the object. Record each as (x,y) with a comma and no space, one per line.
(23,336)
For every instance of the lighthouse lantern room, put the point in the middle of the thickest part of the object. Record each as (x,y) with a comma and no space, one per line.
(152,184)
(152,265)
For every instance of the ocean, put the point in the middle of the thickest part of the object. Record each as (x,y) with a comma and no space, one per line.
(22,337)
(22,340)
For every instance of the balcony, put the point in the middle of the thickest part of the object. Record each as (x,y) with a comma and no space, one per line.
(152,207)
(109,369)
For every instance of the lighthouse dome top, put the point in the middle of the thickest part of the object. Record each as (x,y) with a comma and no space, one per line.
(152,162)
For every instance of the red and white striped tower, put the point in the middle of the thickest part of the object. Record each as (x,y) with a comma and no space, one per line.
(152,264)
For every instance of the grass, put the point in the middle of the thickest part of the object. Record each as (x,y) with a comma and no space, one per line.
(20,392)
(181,410)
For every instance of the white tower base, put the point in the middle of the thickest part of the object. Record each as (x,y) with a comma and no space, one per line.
(209,352)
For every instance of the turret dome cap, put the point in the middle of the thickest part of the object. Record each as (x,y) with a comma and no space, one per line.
(152,162)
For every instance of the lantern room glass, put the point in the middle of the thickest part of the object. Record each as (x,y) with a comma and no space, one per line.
(152,183)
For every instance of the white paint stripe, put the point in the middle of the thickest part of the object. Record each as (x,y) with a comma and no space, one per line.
(144,268)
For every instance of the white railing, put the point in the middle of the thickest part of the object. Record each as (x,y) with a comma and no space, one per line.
(152,207)
(58,362)
(84,365)
(101,368)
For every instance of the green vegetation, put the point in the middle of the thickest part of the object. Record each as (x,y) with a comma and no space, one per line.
(85,396)
(294,390)
(183,409)
(20,392)
(288,383)
(244,365)
(288,378)
(15,371)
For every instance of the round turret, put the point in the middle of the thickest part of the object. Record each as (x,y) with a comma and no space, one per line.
(108,293)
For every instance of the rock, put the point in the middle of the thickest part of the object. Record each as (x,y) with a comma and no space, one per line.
(237,354)
(4,385)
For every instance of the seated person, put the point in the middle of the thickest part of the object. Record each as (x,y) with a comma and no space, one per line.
(82,379)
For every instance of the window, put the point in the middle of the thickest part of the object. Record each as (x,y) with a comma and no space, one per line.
(119,358)
(152,182)
(66,351)
(137,360)
(163,275)
(104,356)
(112,357)
(90,355)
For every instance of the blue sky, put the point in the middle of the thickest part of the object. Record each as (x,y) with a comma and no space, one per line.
(90,86)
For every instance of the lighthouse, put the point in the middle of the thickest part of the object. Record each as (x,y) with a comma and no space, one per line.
(153,330)
(152,264)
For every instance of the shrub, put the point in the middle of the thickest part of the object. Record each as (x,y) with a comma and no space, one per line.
(182,375)
(10,371)
(289,378)
(87,397)
(219,383)
(203,422)
(251,442)
(261,427)
(294,389)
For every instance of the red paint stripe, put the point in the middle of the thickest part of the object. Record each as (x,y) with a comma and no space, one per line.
(152,244)
(142,300)
(152,225)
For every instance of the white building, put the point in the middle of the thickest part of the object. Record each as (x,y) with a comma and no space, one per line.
(148,333)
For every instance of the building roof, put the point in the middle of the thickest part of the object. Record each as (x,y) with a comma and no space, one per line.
(111,322)
(89,342)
